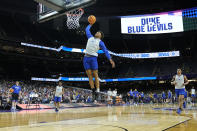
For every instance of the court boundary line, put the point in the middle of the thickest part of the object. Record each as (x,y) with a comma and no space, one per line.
(87,124)
(177,124)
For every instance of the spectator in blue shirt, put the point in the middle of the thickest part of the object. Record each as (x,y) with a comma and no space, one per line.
(135,95)
(142,97)
(131,96)
(163,97)
(169,96)
(155,98)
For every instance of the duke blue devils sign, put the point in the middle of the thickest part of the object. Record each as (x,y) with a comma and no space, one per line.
(152,24)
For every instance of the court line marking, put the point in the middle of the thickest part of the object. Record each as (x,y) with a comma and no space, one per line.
(177,124)
(171,109)
(87,125)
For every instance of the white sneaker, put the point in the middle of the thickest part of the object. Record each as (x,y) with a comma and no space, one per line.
(98,90)
(12,109)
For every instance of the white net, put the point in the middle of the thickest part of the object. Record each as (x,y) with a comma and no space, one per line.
(73,18)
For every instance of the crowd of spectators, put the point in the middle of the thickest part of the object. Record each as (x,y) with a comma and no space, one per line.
(45,92)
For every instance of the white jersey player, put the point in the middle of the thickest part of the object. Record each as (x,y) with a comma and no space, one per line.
(179,81)
(58,96)
(109,95)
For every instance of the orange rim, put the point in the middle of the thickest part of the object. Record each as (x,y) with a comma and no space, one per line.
(69,14)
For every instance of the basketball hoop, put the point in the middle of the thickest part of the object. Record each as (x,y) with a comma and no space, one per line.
(73,18)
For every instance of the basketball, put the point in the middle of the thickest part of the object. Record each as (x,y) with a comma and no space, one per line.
(11,90)
(91,19)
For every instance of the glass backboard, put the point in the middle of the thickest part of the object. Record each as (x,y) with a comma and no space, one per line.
(50,9)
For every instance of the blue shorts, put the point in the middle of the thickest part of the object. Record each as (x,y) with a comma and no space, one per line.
(193,95)
(179,92)
(169,97)
(185,95)
(90,63)
(57,99)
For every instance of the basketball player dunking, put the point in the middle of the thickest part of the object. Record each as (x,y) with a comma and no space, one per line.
(90,59)
(179,81)
(58,96)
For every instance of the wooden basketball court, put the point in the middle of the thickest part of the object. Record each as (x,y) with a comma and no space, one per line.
(119,118)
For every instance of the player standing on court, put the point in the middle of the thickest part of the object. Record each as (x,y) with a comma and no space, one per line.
(131,97)
(109,97)
(58,96)
(90,59)
(135,96)
(180,81)
(169,96)
(141,97)
(16,94)
(163,97)
(155,98)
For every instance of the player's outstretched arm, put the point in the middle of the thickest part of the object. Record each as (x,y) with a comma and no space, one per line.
(186,82)
(104,49)
(88,33)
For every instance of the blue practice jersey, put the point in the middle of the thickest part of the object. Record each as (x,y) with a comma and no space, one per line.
(16,89)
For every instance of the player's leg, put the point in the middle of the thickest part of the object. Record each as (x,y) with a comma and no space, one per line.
(162,100)
(167,100)
(97,84)
(58,106)
(170,100)
(58,103)
(94,67)
(87,66)
(142,100)
(13,105)
(14,101)
(135,100)
(55,103)
(130,100)
(91,82)
(178,96)
(185,100)
(194,97)
(181,101)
